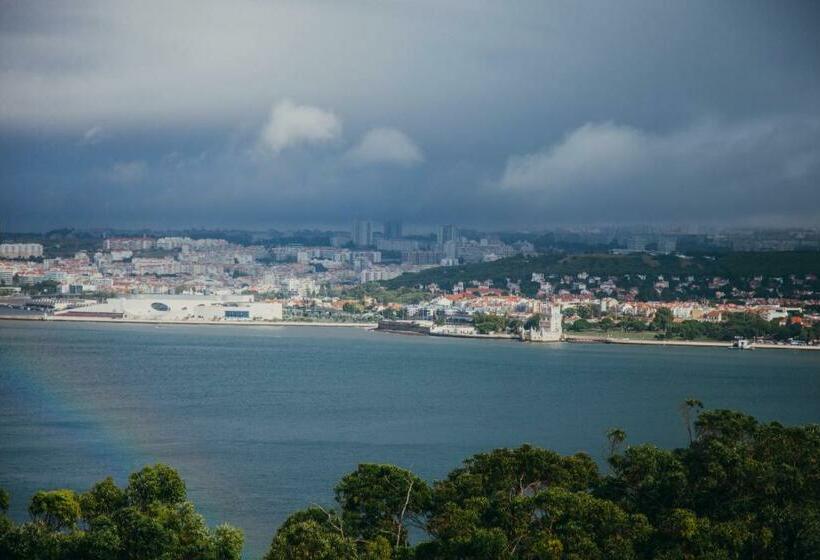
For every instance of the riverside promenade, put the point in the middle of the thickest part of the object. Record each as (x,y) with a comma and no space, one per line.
(574,339)
(702,343)
(61,319)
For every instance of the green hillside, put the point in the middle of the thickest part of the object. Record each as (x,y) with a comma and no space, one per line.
(520,268)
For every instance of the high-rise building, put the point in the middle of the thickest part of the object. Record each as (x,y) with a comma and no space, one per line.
(392,229)
(362,233)
(447,233)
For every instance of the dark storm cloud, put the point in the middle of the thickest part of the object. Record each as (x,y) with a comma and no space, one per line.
(486,114)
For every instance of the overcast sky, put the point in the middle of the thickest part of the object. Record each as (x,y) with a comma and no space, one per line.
(490,114)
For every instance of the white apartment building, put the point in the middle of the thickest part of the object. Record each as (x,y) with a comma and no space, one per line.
(20,250)
(378,274)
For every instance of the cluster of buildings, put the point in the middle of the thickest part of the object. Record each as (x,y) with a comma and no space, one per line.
(177,265)
(629,287)
(183,265)
(449,247)
(686,311)
(161,276)
(665,240)
(454,313)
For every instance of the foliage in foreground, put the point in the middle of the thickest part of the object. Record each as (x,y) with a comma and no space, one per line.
(149,519)
(741,489)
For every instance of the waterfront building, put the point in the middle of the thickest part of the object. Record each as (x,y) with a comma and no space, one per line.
(549,329)
(181,308)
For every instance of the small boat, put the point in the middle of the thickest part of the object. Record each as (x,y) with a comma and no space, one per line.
(741,343)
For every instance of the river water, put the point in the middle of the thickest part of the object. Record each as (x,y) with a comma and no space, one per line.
(262,421)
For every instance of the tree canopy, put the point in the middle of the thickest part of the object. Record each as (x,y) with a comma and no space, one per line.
(741,489)
(149,519)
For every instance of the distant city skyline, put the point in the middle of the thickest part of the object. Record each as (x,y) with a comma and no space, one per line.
(432,230)
(476,114)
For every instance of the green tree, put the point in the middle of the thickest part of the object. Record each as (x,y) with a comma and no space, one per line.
(142,536)
(633,324)
(580,325)
(486,323)
(57,509)
(663,319)
(584,312)
(351,307)
(487,508)
(382,501)
(102,541)
(578,525)
(155,484)
(227,543)
(616,437)
(689,410)
(149,520)
(104,498)
(5,499)
(312,534)
(646,480)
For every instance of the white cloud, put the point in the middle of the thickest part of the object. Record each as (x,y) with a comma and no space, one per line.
(93,135)
(590,152)
(386,145)
(293,125)
(125,172)
(708,156)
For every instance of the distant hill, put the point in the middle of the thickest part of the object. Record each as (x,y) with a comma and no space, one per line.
(520,268)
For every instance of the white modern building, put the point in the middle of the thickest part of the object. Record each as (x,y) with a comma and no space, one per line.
(182,308)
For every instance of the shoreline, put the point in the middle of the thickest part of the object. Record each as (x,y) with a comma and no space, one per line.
(58,319)
(575,339)
(570,339)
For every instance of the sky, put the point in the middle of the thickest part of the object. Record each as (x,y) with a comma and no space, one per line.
(312,113)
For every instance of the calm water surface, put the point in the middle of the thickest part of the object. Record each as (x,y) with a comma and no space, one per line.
(263,421)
